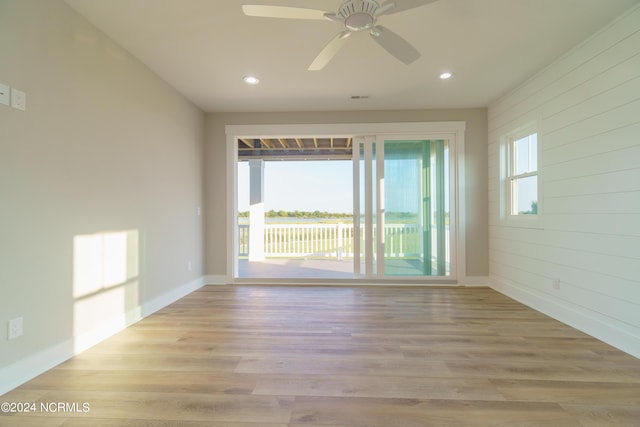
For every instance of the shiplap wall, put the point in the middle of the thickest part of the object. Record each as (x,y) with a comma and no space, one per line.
(587,108)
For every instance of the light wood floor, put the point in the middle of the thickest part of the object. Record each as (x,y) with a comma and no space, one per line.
(336,356)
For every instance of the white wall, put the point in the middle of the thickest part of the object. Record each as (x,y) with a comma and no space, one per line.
(587,104)
(100,181)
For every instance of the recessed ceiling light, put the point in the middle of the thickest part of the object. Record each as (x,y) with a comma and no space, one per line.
(446,75)
(251,80)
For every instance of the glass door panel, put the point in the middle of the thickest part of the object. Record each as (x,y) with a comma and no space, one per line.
(404,207)
(415,208)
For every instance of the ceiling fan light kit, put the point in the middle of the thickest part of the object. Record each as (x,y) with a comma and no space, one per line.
(358,15)
(355,15)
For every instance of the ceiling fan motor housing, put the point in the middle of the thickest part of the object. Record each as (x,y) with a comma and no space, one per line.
(358,15)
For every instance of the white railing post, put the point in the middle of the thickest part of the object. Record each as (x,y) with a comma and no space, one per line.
(256,210)
(339,238)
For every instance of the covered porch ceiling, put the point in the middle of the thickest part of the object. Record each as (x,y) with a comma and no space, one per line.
(308,148)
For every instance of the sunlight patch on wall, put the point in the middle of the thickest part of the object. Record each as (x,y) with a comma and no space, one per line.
(103,260)
(105,284)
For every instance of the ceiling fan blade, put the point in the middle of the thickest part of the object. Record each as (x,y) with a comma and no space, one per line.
(394,6)
(329,51)
(394,44)
(266,11)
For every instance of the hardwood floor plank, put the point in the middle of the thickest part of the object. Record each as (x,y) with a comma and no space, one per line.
(109,422)
(338,365)
(578,392)
(561,369)
(164,423)
(415,412)
(378,387)
(152,361)
(6,421)
(144,381)
(512,352)
(605,415)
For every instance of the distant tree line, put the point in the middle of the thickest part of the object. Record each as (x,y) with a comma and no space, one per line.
(532,211)
(298,214)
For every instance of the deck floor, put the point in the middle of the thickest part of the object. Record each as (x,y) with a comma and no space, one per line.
(317,268)
(280,268)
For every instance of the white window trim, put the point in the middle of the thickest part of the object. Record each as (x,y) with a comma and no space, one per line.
(506,179)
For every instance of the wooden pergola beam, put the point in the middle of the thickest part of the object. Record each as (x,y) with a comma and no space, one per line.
(266,142)
(247,142)
(283,142)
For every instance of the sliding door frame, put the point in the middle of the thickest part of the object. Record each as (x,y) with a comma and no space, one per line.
(373,185)
(452,131)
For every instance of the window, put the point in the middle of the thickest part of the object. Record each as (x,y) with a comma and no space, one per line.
(522,175)
(520,178)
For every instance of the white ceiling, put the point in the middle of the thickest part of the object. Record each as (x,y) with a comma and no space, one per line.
(203,48)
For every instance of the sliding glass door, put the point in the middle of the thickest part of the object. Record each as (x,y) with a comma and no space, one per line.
(403,207)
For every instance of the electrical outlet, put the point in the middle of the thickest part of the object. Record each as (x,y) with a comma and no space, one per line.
(5,94)
(556,284)
(189,266)
(15,329)
(18,99)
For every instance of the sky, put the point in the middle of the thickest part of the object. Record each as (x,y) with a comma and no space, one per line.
(302,186)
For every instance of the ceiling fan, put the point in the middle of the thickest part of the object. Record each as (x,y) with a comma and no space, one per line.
(356,15)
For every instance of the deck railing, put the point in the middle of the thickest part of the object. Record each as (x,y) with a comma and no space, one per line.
(328,240)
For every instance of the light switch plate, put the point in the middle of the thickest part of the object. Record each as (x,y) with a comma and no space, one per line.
(4,94)
(18,99)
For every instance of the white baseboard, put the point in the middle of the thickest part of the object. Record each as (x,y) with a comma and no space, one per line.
(471,281)
(600,328)
(172,296)
(215,279)
(31,366)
